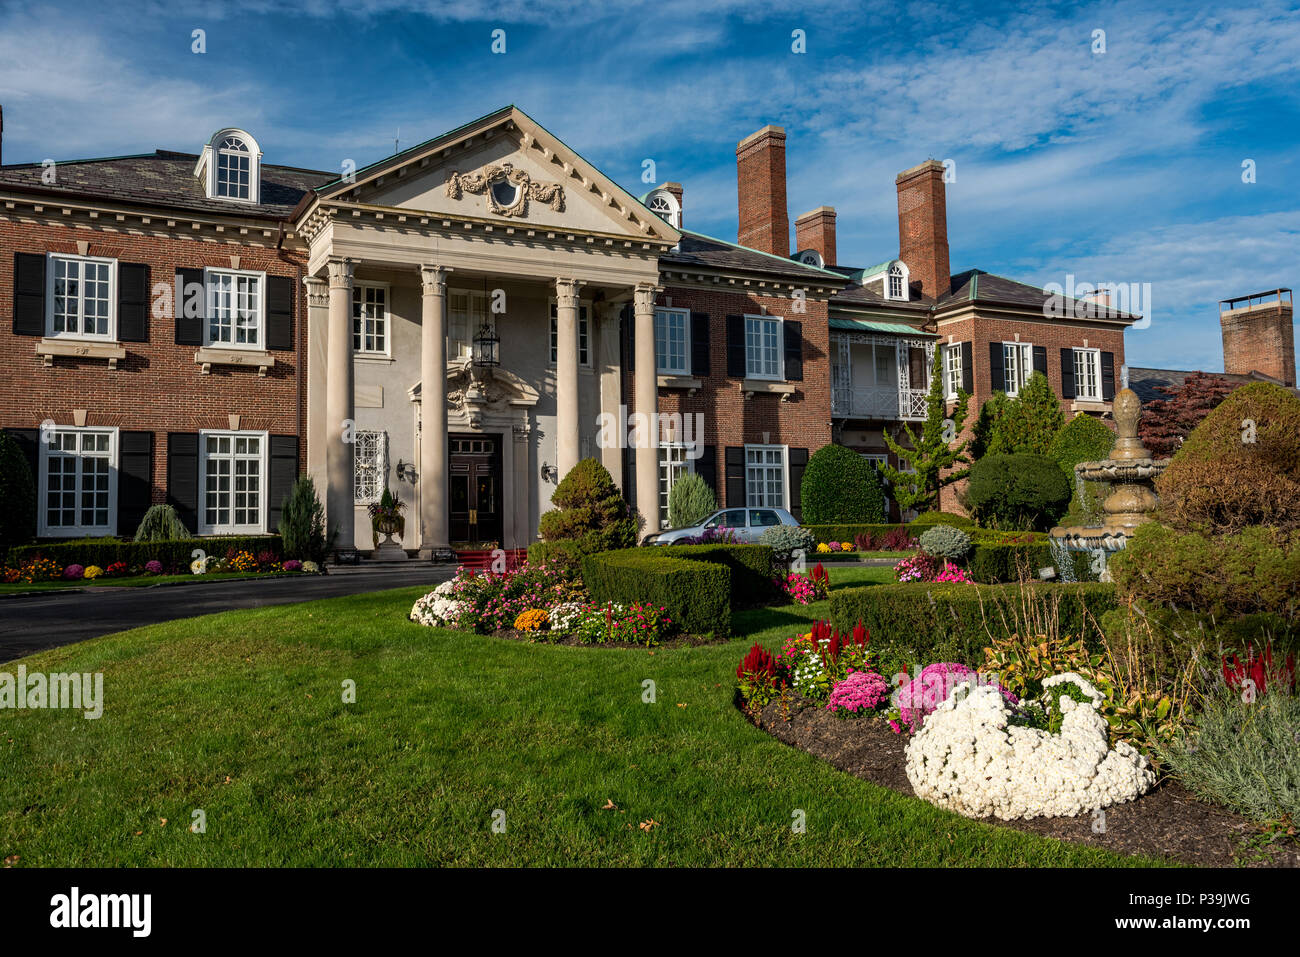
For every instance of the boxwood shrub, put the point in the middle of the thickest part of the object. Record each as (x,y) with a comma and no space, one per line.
(918,624)
(750,566)
(696,594)
(846,533)
(175,556)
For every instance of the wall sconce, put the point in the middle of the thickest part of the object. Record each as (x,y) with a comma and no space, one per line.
(405,472)
(550,473)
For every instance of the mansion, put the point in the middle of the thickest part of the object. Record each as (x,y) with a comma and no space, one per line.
(454,323)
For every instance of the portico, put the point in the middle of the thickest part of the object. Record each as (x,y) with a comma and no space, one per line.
(499,226)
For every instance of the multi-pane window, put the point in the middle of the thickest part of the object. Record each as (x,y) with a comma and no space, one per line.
(466,312)
(1017,366)
(897,286)
(81,297)
(370,318)
(235,308)
(584,332)
(234,169)
(672,354)
(369,465)
(765,476)
(233,482)
(674,462)
(952,371)
(1087,374)
(78,478)
(762,347)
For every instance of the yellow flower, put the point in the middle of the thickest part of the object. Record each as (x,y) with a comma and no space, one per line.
(534,619)
(823,547)
(92,571)
(846,546)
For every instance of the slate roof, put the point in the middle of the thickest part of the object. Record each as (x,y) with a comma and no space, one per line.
(1145,382)
(696,249)
(164,178)
(976,285)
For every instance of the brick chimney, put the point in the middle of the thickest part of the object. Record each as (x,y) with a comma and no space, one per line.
(760,185)
(816,230)
(1258,335)
(2,135)
(923,226)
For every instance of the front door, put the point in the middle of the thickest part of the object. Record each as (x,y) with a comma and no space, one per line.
(475,499)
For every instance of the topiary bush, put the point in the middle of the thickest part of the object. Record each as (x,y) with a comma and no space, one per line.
(17,497)
(161,524)
(589,510)
(785,540)
(1022,491)
(302,524)
(690,501)
(1239,467)
(945,541)
(841,487)
(750,567)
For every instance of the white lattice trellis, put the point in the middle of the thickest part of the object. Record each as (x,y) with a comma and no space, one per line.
(370,464)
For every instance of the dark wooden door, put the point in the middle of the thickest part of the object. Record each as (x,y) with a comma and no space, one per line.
(475,493)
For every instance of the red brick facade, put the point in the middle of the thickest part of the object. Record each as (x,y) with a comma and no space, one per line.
(923,227)
(760,185)
(1259,338)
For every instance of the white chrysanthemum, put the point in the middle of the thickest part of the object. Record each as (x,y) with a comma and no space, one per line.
(966,758)
(436,610)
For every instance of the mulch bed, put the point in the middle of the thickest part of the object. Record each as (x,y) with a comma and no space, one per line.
(1166,822)
(683,641)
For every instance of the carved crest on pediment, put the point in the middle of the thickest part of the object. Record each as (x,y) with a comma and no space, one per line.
(507,189)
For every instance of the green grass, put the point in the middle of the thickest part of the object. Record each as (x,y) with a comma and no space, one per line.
(136,581)
(240,715)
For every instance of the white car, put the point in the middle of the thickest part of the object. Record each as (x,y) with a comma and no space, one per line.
(747,523)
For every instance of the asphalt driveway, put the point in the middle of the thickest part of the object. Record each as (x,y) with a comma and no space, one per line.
(33,623)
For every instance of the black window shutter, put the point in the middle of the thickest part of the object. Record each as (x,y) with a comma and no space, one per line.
(279,313)
(189,329)
(1040,359)
(1067,373)
(1107,376)
(29,294)
(134,480)
(284,472)
(133,302)
(793,332)
(629,336)
(997,376)
(699,344)
(28,441)
(706,466)
(736,348)
(798,462)
(967,368)
(183,477)
(735,476)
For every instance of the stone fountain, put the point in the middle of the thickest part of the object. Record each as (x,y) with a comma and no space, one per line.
(1131,473)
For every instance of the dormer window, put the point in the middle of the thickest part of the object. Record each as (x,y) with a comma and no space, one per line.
(664,205)
(897,283)
(231,167)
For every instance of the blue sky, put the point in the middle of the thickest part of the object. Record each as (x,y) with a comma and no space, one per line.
(1123,166)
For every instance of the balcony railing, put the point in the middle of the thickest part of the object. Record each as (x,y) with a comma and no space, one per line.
(907,405)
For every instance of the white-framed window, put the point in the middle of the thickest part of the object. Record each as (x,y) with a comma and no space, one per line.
(234,169)
(664,205)
(78,482)
(952,371)
(672,341)
(763,353)
(236,308)
(232,482)
(369,463)
(896,283)
(80,297)
(467,310)
(1017,366)
(370,318)
(674,462)
(1087,374)
(765,476)
(584,335)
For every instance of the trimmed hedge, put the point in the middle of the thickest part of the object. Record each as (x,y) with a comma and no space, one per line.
(930,519)
(565,551)
(175,556)
(696,594)
(846,533)
(750,567)
(918,624)
(1001,562)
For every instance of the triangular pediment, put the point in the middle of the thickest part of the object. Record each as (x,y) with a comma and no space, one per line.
(503,167)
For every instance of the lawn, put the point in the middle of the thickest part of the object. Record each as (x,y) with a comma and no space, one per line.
(240,715)
(136,581)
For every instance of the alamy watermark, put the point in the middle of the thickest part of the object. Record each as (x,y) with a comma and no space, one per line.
(1081,300)
(37,691)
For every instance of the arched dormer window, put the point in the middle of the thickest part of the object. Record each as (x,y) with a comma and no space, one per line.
(896,283)
(231,167)
(664,205)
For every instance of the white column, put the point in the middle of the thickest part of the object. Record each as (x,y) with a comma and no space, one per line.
(340,425)
(566,374)
(318,301)
(645,397)
(434,532)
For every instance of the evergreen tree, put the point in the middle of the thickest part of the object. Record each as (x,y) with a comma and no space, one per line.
(935,450)
(1024,425)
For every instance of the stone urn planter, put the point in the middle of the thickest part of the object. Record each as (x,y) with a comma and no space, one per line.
(386,519)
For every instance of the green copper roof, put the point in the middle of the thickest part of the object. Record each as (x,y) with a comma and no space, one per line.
(864,325)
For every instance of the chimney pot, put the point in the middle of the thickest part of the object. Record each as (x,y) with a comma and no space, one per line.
(760,185)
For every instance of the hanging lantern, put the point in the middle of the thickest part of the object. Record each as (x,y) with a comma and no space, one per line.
(487,347)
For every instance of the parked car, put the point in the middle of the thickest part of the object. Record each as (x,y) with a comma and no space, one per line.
(747,523)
